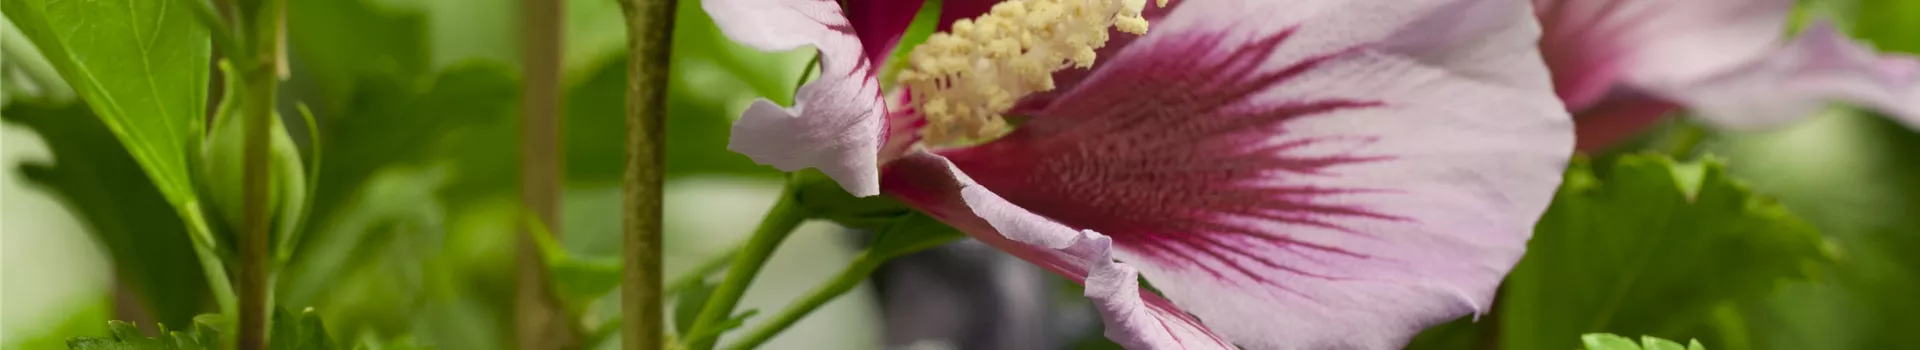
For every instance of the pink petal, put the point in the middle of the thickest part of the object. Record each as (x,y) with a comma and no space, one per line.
(1593,44)
(837,123)
(1308,174)
(1820,66)
(1134,317)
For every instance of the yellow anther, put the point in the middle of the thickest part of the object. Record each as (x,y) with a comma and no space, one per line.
(963,80)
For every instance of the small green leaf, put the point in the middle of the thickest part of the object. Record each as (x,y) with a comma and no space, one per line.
(1655,343)
(1634,250)
(126,336)
(823,198)
(303,331)
(687,305)
(723,327)
(910,233)
(578,280)
(1602,341)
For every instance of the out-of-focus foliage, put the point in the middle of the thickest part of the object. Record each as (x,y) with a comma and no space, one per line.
(126,336)
(1648,246)
(1603,341)
(101,183)
(413,219)
(1852,174)
(290,331)
(1642,245)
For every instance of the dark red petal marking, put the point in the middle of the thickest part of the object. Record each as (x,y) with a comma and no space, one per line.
(1169,152)
(881,23)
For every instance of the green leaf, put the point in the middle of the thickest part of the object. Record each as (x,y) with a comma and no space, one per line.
(578,280)
(1850,173)
(723,327)
(1653,343)
(101,183)
(1604,341)
(141,64)
(823,198)
(1889,23)
(142,67)
(1628,250)
(686,306)
(126,336)
(303,331)
(910,233)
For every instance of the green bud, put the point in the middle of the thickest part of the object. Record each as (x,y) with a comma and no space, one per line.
(221,172)
(223,169)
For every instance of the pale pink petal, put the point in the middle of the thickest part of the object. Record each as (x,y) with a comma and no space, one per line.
(1302,174)
(1134,317)
(1594,44)
(1819,67)
(837,123)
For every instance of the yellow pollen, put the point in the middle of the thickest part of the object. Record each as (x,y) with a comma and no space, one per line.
(963,80)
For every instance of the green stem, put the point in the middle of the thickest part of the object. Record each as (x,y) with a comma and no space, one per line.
(649,47)
(850,277)
(774,228)
(259,80)
(210,264)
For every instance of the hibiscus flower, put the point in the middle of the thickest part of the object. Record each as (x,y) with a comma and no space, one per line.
(1621,65)
(1286,174)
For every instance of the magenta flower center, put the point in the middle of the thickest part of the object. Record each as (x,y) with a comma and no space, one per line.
(1166,153)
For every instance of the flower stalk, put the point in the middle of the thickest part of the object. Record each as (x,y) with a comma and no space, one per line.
(774,229)
(649,42)
(862,266)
